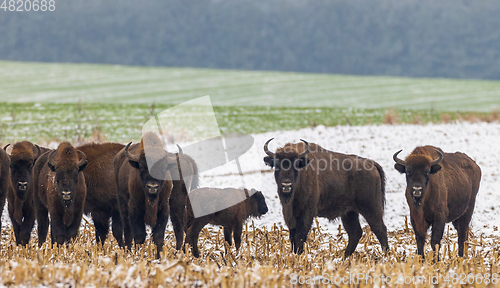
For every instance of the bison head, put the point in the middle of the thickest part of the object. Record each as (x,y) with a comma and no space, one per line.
(258,203)
(22,158)
(287,165)
(64,162)
(152,179)
(418,168)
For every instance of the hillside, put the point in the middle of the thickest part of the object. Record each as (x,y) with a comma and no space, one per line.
(71,83)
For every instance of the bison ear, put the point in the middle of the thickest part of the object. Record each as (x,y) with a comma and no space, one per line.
(400,168)
(269,161)
(134,164)
(303,162)
(435,168)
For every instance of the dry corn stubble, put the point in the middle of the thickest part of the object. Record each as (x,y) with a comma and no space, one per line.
(264,258)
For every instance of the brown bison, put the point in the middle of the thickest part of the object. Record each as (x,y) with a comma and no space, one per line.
(20,194)
(59,190)
(101,202)
(440,188)
(144,186)
(4,180)
(184,178)
(231,218)
(313,181)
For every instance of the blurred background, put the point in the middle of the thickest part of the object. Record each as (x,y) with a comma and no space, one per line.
(413,38)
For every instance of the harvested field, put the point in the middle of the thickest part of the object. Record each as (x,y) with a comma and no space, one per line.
(263,260)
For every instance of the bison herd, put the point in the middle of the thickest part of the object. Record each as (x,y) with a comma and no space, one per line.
(113,181)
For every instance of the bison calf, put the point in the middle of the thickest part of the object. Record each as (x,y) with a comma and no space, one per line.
(231,218)
(440,188)
(313,181)
(20,195)
(59,190)
(144,186)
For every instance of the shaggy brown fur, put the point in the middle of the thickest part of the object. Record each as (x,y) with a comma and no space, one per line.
(20,195)
(101,203)
(185,179)
(4,180)
(142,199)
(440,193)
(231,218)
(328,184)
(59,190)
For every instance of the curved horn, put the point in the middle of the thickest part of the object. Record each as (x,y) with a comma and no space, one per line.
(51,161)
(437,161)
(5,147)
(37,151)
(266,149)
(181,153)
(130,156)
(307,150)
(84,159)
(397,160)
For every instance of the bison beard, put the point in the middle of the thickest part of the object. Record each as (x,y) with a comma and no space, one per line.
(59,190)
(306,192)
(441,188)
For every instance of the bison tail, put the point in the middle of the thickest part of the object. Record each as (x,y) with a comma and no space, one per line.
(382,182)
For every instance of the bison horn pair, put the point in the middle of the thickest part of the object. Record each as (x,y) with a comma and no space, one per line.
(269,153)
(52,162)
(135,158)
(401,162)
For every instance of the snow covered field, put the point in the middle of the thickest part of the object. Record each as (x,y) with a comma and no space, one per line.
(481,141)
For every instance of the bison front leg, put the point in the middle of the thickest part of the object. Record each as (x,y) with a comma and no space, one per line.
(420,233)
(238,229)
(159,231)
(292,240)
(57,230)
(228,233)
(125,219)
(42,217)
(303,226)
(27,224)
(72,229)
(437,235)
(137,225)
(353,229)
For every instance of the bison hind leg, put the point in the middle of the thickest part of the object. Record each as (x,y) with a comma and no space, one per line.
(351,225)
(462,226)
(376,223)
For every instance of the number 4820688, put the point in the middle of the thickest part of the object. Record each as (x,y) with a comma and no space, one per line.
(28,5)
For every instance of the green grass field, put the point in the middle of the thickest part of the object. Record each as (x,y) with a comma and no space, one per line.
(44,102)
(70,83)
